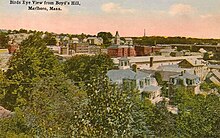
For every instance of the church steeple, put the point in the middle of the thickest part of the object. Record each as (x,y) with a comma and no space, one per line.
(117,38)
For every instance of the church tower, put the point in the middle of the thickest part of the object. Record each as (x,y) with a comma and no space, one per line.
(117,38)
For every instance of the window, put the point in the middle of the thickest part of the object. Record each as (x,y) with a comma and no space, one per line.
(189,82)
(147,81)
(121,63)
(126,63)
(172,80)
(141,84)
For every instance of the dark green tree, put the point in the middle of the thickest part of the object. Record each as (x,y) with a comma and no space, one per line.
(3,40)
(200,117)
(106,36)
(23,31)
(85,68)
(27,66)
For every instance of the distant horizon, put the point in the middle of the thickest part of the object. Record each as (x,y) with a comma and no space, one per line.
(113,33)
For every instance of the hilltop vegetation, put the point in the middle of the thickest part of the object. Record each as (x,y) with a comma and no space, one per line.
(152,40)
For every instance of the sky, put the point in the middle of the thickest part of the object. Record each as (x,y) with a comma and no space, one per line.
(188,18)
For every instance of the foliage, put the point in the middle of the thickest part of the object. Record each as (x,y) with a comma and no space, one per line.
(158,78)
(150,40)
(23,31)
(106,36)
(200,117)
(209,86)
(162,123)
(54,104)
(216,56)
(85,68)
(3,40)
(33,62)
(110,112)
(3,85)
(49,39)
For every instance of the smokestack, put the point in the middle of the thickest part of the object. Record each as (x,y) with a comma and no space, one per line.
(144,32)
(151,61)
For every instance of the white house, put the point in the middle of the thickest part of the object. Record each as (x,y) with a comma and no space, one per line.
(144,82)
(189,81)
(95,40)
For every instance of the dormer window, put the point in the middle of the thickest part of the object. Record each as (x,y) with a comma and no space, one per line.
(141,83)
(172,80)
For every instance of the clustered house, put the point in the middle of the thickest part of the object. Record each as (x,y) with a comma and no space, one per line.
(144,82)
(189,81)
(198,66)
(118,49)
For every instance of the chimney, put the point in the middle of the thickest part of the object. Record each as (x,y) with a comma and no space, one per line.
(152,49)
(181,73)
(151,61)
(134,67)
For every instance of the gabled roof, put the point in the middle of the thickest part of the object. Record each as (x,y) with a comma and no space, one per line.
(115,75)
(185,75)
(194,62)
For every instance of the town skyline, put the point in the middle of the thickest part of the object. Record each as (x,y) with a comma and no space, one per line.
(198,19)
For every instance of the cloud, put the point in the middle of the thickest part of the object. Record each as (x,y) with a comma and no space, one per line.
(181,9)
(115,8)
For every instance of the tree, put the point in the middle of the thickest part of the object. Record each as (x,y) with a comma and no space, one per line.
(85,68)
(106,36)
(23,31)
(3,85)
(53,105)
(27,66)
(110,111)
(49,39)
(3,40)
(161,122)
(199,118)
(55,102)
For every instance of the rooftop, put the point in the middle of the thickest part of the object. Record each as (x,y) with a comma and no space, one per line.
(146,59)
(151,88)
(120,74)
(196,62)
(185,75)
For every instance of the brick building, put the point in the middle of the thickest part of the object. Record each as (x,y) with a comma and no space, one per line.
(118,50)
(146,50)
